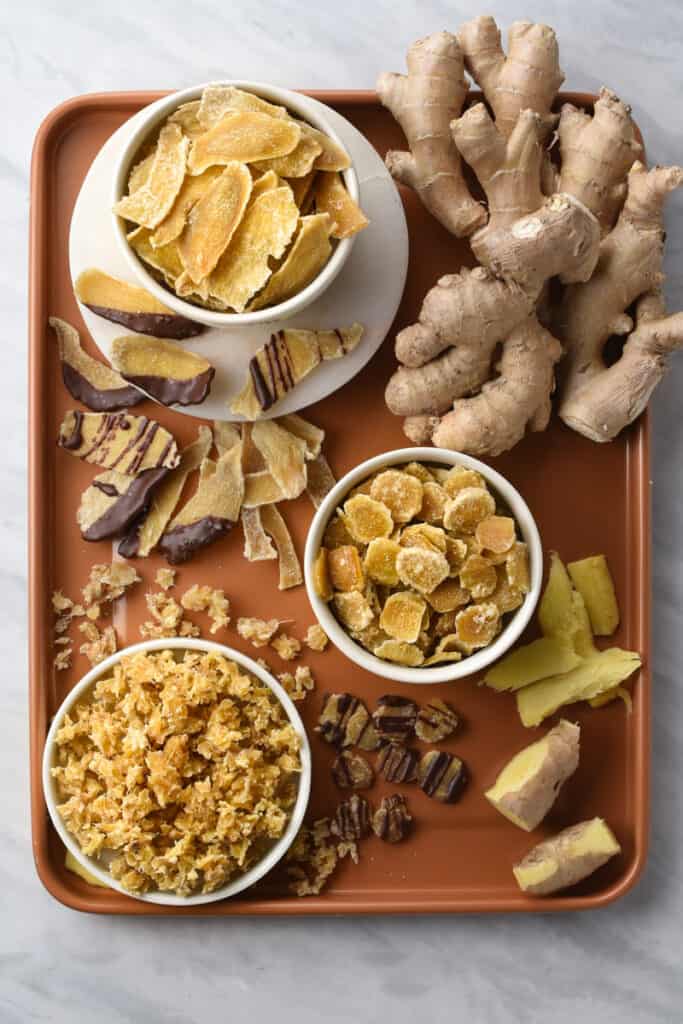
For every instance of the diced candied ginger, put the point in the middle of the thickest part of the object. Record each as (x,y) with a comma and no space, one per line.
(478,576)
(445,623)
(353,610)
(467,509)
(448,596)
(400,653)
(434,500)
(419,471)
(380,561)
(505,596)
(446,650)
(321,575)
(400,492)
(402,616)
(496,534)
(366,518)
(477,625)
(422,535)
(458,478)
(517,565)
(421,568)
(456,553)
(336,535)
(345,568)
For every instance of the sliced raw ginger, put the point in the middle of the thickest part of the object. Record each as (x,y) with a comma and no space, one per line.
(548,656)
(593,580)
(147,531)
(131,306)
(595,675)
(307,256)
(332,197)
(567,858)
(167,372)
(151,203)
(288,357)
(211,512)
(529,784)
(262,235)
(88,380)
(213,220)
(245,135)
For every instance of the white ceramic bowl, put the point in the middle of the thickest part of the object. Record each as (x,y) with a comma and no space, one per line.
(517,622)
(274,854)
(157,112)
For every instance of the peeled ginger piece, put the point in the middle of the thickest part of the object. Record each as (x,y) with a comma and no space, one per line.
(71,864)
(593,580)
(592,677)
(547,656)
(567,858)
(529,784)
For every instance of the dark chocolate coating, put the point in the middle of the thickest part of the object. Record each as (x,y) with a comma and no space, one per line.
(170,391)
(127,506)
(181,543)
(98,400)
(159,325)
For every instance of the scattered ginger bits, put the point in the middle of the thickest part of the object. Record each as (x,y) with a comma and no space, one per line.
(316,638)
(258,632)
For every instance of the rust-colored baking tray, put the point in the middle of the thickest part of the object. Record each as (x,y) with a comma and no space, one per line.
(586,497)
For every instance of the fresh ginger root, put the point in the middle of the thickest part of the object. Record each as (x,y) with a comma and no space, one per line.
(424,103)
(529,784)
(596,400)
(527,79)
(567,858)
(593,580)
(547,656)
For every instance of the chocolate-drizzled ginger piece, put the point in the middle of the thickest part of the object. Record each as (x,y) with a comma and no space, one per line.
(131,306)
(88,380)
(167,372)
(392,821)
(397,763)
(435,721)
(352,819)
(345,722)
(114,500)
(286,359)
(351,771)
(441,775)
(128,444)
(394,717)
(213,510)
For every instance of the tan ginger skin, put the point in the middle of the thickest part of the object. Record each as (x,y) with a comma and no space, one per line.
(446,358)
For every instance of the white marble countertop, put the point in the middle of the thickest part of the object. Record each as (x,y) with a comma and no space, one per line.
(620,964)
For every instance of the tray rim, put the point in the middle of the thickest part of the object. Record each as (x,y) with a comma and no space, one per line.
(638,445)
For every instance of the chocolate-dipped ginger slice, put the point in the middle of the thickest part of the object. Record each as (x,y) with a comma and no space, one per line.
(131,306)
(117,440)
(114,500)
(164,370)
(213,510)
(286,359)
(88,380)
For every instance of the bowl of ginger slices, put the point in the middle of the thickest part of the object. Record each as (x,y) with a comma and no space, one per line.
(235,203)
(423,565)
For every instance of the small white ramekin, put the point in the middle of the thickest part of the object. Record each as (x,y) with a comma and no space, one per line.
(274,854)
(449,671)
(154,114)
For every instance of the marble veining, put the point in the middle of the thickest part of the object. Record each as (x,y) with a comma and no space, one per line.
(617,965)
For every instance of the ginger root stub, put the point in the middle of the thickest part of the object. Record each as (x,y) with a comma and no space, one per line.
(421,564)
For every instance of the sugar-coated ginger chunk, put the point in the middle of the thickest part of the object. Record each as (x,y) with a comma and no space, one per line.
(321,576)
(448,596)
(496,534)
(336,534)
(434,500)
(400,492)
(477,625)
(505,597)
(593,580)
(423,535)
(517,564)
(419,471)
(422,569)
(400,652)
(380,561)
(458,478)
(345,568)
(402,616)
(466,510)
(478,576)
(353,610)
(456,552)
(366,518)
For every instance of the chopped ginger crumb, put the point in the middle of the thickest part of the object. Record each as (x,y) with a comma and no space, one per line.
(316,638)
(206,599)
(165,578)
(257,631)
(288,647)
